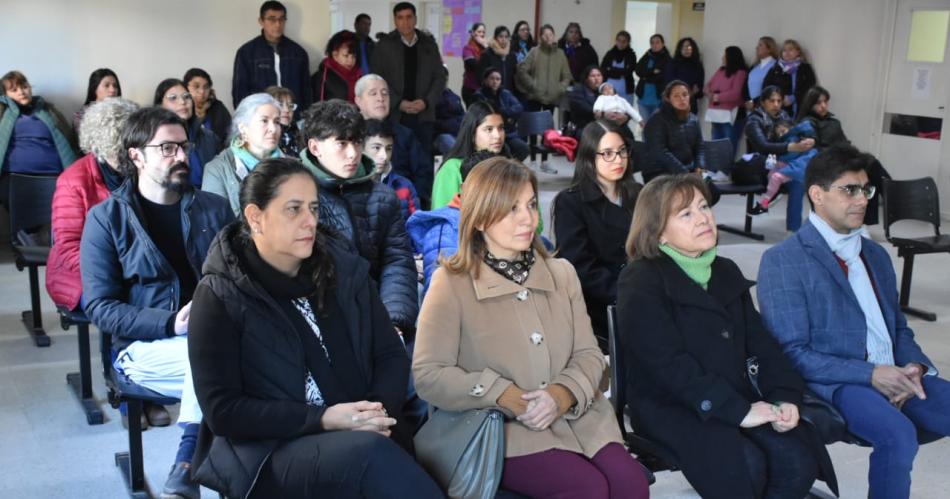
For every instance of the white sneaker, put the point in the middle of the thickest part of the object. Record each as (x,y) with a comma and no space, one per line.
(546,168)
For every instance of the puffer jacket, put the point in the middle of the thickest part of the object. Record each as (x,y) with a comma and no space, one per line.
(544,74)
(434,233)
(758,132)
(673,145)
(64,138)
(249,370)
(368,214)
(131,291)
(78,189)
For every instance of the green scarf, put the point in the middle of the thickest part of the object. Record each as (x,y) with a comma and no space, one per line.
(249,160)
(698,269)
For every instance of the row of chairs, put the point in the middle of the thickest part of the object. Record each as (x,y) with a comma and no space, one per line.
(30,203)
(824,417)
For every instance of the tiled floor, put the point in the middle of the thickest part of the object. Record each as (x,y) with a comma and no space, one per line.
(48,451)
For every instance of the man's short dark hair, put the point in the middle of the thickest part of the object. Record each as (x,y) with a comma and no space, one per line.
(829,165)
(360,17)
(139,130)
(379,128)
(333,118)
(272,5)
(401,6)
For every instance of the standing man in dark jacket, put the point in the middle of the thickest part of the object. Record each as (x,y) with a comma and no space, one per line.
(364,42)
(366,213)
(140,259)
(271,59)
(410,62)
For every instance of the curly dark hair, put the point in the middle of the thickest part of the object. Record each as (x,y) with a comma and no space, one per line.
(333,118)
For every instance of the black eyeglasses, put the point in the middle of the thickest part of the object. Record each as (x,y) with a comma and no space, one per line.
(610,155)
(852,190)
(170,149)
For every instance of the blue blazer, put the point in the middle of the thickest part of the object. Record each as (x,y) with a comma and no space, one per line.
(808,305)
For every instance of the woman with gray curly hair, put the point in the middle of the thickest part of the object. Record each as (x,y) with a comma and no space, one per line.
(85,183)
(255,136)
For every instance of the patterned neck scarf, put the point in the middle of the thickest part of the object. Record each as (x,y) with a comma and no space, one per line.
(513,270)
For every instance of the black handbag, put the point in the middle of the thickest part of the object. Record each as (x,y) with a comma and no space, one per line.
(463,451)
(828,423)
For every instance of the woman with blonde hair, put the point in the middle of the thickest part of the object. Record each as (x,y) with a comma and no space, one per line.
(793,75)
(504,326)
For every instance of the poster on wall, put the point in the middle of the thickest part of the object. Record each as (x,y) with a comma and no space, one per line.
(457,18)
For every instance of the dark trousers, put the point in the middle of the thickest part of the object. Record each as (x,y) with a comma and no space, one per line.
(780,464)
(343,464)
(892,432)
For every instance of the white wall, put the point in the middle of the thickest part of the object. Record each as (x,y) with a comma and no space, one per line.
(57,43)
(843,40)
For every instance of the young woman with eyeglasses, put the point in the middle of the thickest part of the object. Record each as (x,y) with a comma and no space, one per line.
(592,217)
(172,94)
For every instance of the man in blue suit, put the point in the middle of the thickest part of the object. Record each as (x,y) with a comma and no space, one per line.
(829,296)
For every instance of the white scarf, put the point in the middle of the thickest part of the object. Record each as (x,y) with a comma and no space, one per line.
(847,247)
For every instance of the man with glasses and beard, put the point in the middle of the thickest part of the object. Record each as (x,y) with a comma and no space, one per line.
(140,259)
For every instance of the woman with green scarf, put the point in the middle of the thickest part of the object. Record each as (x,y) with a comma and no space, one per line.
(255,136)
(706,380)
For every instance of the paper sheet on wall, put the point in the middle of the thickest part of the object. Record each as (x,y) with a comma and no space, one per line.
(458,17)
(434,19)
(920,87)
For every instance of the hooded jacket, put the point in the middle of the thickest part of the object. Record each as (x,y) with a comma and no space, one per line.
(368,214)
(544,74)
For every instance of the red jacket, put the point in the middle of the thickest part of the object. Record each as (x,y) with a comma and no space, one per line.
(79,188)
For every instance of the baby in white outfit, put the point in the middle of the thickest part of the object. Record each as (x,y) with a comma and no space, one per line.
(610,102)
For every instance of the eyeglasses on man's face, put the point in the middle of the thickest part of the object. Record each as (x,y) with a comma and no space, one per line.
(853,190)
(170,149)
(610,155)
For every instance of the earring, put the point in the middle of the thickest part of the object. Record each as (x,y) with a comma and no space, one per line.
(256,230)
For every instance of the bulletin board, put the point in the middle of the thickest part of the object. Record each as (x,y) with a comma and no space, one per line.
(457,18)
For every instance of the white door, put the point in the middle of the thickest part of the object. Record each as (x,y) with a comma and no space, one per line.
(914,142)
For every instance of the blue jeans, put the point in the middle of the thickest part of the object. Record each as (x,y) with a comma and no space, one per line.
(646,110)
(444,143)
(793,211)
(893,432)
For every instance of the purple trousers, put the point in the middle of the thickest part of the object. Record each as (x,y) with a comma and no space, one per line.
(560,474)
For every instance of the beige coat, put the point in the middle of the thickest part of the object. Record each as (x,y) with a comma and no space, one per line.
(477,336)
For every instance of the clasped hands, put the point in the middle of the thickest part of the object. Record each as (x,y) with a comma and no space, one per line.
(782,416)
(899,384)
(359,416)
(412,106)
(537,409)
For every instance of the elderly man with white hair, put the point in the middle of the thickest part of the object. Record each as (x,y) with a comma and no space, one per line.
(409,157)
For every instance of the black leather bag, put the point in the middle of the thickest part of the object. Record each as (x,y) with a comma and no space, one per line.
(827,422)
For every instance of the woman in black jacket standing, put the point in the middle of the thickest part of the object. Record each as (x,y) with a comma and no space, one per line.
(690,330)
(619,64)
(651,69)
(592,217)
(687,66)
(297,369)
(498,55)
(793,75)
(673,138)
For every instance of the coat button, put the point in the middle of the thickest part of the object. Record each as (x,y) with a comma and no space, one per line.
(725,334)
(522,295)
(705,405)
(536,338)
(477,390)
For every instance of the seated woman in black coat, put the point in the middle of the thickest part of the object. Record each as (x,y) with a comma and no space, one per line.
(674,140)
(296,366)
(689,330)
(583,96)
(592,217)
